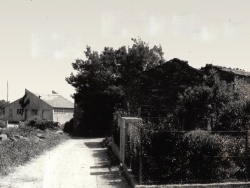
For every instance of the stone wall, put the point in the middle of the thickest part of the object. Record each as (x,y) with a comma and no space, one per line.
(240,78)
(243,85)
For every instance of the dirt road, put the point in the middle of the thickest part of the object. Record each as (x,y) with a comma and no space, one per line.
(77,163)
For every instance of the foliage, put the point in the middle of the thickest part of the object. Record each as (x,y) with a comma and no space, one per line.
(42,124)
(23,101)
(108,72)
(2,123)
(23,144)
(68,126)
(214,102)
(203,152)
(195,156)
(100,80)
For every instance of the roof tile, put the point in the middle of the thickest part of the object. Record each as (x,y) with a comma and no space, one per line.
(55,100)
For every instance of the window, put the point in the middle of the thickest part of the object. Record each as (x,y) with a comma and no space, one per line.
(20,111)
(10,113)
(34,112)
(59,111)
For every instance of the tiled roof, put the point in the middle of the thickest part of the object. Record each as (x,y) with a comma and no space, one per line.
(233,71)
(55,100)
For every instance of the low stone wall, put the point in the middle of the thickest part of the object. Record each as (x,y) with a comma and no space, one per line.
(123,168)
(115,150)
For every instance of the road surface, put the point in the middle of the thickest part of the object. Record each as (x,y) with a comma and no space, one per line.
(77,163)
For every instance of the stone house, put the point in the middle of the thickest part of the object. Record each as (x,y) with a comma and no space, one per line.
(53,107)
(239,78)
(155,92)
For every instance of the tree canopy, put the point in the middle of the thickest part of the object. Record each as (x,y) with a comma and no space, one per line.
(101,78)
(214,102)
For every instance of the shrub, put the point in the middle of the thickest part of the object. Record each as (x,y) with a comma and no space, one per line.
(162,157)
(42,124)
(203,155)
(68,126)
(2,123)
(195,156)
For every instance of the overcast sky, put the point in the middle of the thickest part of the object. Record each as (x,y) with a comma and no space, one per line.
(39,39)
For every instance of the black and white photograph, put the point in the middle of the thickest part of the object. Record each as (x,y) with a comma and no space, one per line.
(124,94)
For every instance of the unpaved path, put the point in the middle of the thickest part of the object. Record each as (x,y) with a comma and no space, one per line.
(77,163)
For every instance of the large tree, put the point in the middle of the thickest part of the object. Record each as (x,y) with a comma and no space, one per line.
(101,78)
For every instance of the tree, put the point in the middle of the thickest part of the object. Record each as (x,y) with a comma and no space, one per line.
(140,57)
(101,78)
(216,103)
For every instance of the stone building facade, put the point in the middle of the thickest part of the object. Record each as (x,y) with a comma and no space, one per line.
(155,92)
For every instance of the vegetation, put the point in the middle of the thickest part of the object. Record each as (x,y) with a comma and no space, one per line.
(68,126)
(212,157)
(101,78)
(172,153)
(190,157)
(216,103)
(169,152)
(24,143)
(42,124)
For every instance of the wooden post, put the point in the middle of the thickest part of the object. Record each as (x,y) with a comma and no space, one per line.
(7,91)
(246,145)
(140,156)
(121,123)
(130,149)
(246,154)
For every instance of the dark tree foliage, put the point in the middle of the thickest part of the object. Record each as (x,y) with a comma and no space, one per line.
(216,103)
(100,81)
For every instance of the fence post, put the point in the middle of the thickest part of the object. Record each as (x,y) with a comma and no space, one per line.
(130,148)
(121,123)
(140,156)
(246,153)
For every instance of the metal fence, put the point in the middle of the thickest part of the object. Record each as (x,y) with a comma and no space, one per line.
(162,156)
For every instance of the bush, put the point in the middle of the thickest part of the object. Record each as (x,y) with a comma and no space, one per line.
(203,155)
(162,157)
(68,126)
(196,156)
(42,124)
(2,123)
(212,157)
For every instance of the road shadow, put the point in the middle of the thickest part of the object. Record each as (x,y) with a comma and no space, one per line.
(84,137)
(93,145)
(106,168)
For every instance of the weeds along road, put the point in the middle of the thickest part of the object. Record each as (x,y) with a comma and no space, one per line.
(76,163)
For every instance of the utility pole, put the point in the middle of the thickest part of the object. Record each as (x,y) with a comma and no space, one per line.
(7,91)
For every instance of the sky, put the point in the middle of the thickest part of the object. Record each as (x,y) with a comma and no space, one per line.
(40,39)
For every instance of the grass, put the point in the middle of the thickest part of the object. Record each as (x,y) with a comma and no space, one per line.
(23,144)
